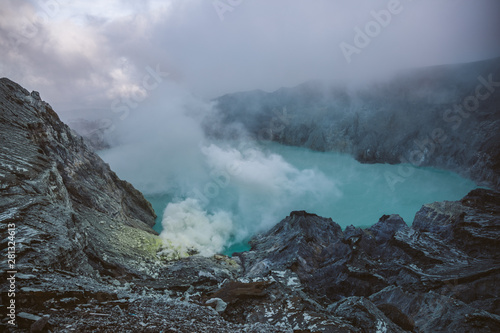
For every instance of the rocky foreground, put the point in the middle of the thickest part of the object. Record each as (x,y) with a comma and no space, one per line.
(86,255)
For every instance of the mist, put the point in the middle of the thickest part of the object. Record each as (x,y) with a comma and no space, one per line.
(222,192)
(81,56)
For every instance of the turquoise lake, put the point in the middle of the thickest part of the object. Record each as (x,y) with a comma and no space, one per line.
(233,192)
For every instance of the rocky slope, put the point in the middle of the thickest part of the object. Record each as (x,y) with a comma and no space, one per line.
(86,255)
(444,116)
(437,275)
(70,211)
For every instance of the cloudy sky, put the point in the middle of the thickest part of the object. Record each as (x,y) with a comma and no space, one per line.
(83,54)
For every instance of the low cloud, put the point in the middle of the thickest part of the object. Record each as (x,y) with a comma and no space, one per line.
(82,55)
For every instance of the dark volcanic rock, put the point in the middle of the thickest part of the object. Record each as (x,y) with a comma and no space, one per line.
(438,275)
(69,209)
(83,304)
(434,312)
(386,227)
(361,312)
(302,242)
(472,223)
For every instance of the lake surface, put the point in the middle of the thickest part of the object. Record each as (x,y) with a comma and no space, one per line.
(229,192)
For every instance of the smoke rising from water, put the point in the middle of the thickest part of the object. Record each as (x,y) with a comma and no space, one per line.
(186,227)
(247,191)
(224,192)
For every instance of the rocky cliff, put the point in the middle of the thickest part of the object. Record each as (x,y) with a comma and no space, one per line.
(445,116)
(69,209)
(86,255)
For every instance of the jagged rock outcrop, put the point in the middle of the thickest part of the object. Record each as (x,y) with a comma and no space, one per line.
(436,276)
(68,209)
(444,116)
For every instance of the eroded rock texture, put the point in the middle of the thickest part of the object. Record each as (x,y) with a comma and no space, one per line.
(69,209)
(439,275)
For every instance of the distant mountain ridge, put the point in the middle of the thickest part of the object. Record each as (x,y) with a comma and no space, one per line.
(443,116)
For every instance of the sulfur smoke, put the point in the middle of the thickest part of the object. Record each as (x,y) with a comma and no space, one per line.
(222,192)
